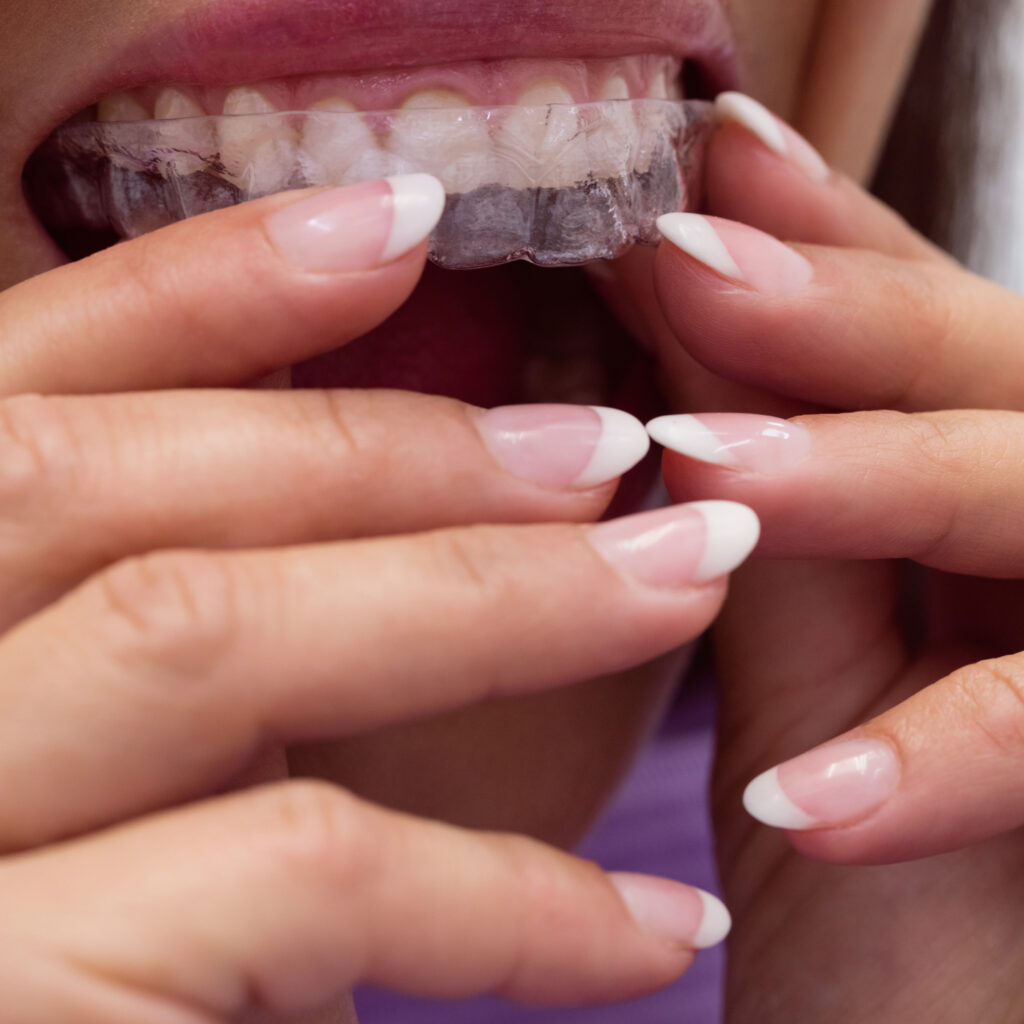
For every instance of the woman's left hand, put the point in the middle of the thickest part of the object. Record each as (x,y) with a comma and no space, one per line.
(914,665)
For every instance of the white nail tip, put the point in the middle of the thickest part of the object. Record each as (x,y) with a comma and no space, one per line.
(697,238)
(418,204)
(716,923)
(766,801)
(688,436)
(732,534)
(623,443)
(757,119)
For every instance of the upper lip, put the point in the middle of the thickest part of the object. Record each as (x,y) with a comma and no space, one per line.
(234,41)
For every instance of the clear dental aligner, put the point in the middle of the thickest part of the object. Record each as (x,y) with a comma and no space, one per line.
(558,185)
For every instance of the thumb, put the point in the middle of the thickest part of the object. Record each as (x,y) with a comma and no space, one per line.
(222,298)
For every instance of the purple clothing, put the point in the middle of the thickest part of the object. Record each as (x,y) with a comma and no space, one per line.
(657,824)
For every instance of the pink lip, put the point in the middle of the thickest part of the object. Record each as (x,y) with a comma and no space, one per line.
(237,41)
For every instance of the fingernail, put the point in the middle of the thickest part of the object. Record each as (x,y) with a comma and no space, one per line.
(674,912)
(679,546)
(837,784)
(738,441)
(359,227)
(564,446)
(738,252)
(773,132)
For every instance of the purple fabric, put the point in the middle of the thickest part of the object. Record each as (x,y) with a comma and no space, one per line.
(657,824)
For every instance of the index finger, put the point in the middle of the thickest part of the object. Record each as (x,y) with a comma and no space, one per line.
(762,173)
(222,298)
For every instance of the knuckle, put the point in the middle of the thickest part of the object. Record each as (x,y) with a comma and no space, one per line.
(924,295)
(991,693)
(954,443)
(38,448)
(334,422)
(478,558)
(176,609)
(954,450)
(547,884)
(315,828)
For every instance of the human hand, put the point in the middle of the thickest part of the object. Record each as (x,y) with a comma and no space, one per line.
(196,579)
(914,666)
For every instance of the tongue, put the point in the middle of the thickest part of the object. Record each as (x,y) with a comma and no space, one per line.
(462,334)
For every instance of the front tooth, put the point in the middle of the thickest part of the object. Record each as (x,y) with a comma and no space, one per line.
(260,154)
(174,104)
(616,88)
(122,107)
(189,140)
(543,94)
(245,100)
(541,138)
(437,131)
(339,150)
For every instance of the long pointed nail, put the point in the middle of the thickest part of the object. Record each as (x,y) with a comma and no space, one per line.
(564,446)
(737,441)
(772,132)
(674,912)
(738,253)
(680,546)
(837,784)
(359,227)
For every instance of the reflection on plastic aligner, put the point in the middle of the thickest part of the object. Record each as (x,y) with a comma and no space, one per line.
(557,185)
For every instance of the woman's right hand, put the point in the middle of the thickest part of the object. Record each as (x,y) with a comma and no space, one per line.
(195,579)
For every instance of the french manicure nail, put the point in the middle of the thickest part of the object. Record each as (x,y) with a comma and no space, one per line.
(679,546)
(564,446)
(360,227)
(737,441)
(738,252)
(674,912)
(838,784)
(736,108)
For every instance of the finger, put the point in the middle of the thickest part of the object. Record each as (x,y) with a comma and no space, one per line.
(939,772)
(86,481)
(762,173)
(186,664)
(794,635)
(839,328)
(223,298)
(941,488)
(281,899)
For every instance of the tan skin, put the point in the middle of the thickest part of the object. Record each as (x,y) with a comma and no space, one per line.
(804,68)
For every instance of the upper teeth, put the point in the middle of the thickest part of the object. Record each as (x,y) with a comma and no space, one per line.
(538,139)
(495,83)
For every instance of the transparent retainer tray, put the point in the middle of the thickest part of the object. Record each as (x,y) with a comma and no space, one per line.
(556,185)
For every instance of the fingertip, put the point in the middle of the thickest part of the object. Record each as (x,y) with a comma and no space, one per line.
(418,202)
(733,532)
(715,924)
(678,914)
(773,133)
(766,801)
(356,228)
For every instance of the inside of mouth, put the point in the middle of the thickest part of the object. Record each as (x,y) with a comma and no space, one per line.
(557,184)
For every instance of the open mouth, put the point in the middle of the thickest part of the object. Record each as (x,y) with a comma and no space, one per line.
(557,162)
(547,157)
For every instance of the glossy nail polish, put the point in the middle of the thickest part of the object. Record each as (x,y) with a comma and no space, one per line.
(360,227)
(564,446)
